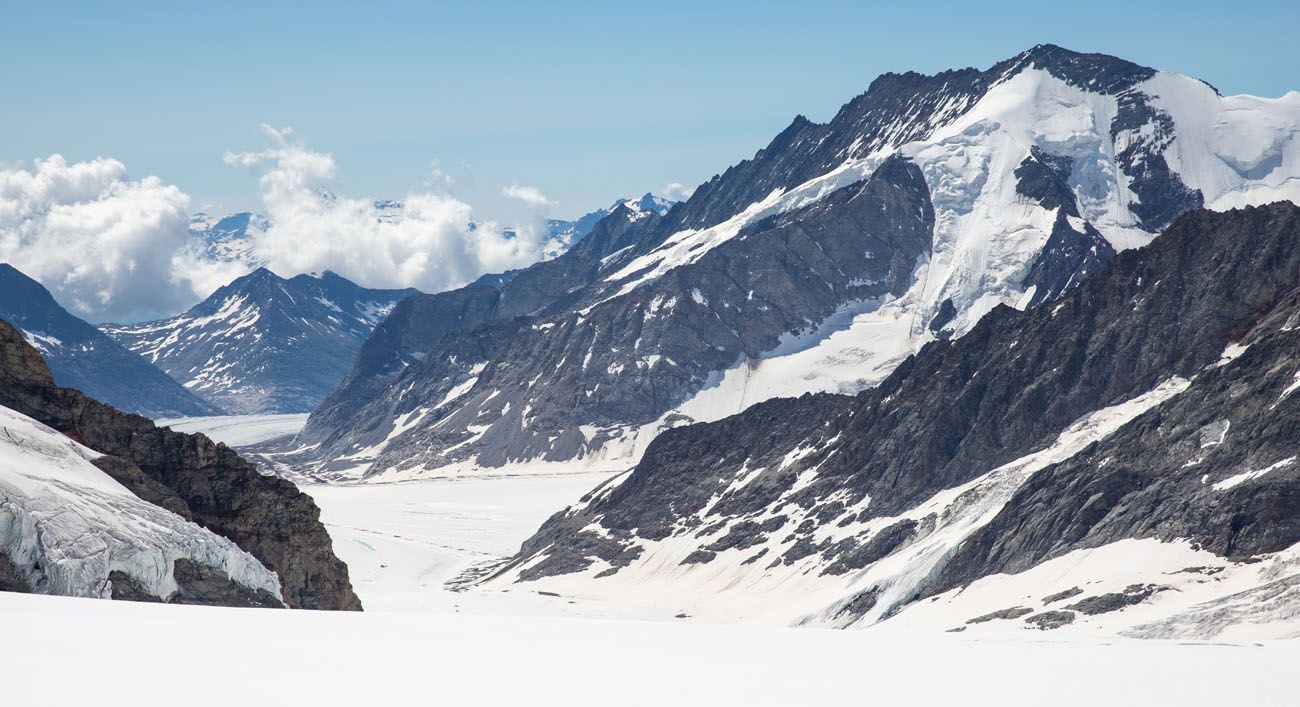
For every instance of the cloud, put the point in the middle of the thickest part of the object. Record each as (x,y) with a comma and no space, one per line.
(531,196)
(427,240)
(115,249)
(677,192)
(101,242)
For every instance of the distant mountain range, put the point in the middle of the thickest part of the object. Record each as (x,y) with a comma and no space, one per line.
(81,356)
(229,238)
(264,344)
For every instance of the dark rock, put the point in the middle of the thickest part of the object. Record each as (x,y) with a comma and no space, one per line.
(143,485)
(1014,612)
(735,302)
(574,558)
(1045,178)
(699,557)
(1068,258)
(947,311)
(754,558)
(880,546)
(11,579)
(858,606)
(1065,594)
(1115,601)
(1049,620)
(1162,195)
(196,584)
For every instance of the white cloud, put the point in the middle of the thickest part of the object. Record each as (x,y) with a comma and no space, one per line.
(115,249)
(531,196)
(677,192)
(430,241)
(101,242)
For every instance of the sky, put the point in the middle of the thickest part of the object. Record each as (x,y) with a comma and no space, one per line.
(584,101)
(512,110)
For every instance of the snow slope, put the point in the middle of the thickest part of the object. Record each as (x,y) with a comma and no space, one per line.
(69,525)
(62,648)
(732,587)
(239,430)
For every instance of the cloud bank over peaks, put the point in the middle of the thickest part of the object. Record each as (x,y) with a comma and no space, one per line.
(677,191)
(426,240)
(112,248)
(100,241)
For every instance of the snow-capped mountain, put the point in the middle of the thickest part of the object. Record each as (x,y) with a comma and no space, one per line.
(264,344)
(1121,460)
(818,265)
(563,234)
(82,357)
(95,502)
(228,239)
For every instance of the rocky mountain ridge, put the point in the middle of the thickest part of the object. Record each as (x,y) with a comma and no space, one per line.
(1036,172)
(263,343)
(82,357)
(1149,407)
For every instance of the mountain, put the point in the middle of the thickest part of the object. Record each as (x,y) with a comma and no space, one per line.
(564,234)
(101,503)
(820,264)
(264,344)
(228,239)
(82,357)
(1123,459)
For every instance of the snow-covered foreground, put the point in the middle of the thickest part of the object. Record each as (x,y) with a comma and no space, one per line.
(239,430)
(402,541)
(73,651)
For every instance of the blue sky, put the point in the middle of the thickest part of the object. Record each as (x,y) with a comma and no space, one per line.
(585,101)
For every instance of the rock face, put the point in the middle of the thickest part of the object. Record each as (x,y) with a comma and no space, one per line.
(264,344)
(82,357)
(1153,401)
(196,585)
(817,266)
(67,528)
(189,475)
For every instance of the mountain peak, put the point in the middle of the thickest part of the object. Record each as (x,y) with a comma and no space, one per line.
(81,356)
(258,274)
(264,343)
(1101,73)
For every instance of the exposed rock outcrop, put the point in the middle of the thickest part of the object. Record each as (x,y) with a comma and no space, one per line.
(190,475)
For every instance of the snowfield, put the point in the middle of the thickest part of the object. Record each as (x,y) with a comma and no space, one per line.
(239,430)
(403,541)
(421,642)
(62,651)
